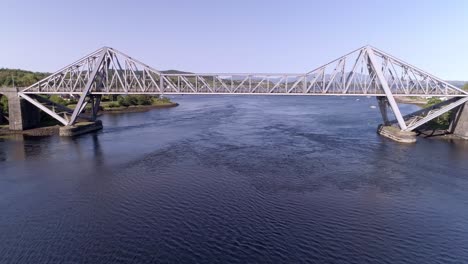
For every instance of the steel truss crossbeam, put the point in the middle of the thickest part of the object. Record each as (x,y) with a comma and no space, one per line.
(59,112)
(366,71)
(421,117)
(43,108)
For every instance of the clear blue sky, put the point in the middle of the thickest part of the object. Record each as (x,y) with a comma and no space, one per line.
(235,36)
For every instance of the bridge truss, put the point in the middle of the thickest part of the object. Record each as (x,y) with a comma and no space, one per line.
(366,71)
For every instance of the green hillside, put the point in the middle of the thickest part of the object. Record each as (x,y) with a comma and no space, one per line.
(19,78)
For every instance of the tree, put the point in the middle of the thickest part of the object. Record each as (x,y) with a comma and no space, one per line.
(465,87)
(143,99)
(441,122)
(129,100)
(124,100)
(4,104)
(19,78)
(58,100)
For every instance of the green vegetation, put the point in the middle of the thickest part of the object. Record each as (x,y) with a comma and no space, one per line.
(19,78)
(4,104)
(135,100)
(113,104)
(432,101)
(120,102)
(62,101)
(124,101)
(161,101)
(465,87)
(3,109)
(443,121)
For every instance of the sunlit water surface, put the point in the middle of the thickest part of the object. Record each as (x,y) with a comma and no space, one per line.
(235,179)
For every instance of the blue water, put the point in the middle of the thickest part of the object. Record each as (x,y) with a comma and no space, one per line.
(261,179)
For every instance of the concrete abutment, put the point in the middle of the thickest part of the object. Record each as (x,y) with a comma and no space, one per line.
(21,114)
(459,126)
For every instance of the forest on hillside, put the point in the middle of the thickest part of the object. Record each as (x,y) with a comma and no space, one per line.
(19,78)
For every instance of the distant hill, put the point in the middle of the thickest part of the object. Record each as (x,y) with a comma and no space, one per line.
(176,72)
(23,78)
(20,78)
(458,84)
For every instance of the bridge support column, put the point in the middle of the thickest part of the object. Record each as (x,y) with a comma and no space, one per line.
(459,125)
(383,106)
(389,131)
(95,101)
(89,85)
(22,114)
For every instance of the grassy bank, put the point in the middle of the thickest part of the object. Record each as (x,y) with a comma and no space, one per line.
(130,103)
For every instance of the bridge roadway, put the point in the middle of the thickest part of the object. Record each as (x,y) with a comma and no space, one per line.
(366,71)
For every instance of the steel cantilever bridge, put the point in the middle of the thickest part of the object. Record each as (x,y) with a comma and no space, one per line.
(366,71)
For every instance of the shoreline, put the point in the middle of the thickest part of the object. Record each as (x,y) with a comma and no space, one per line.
(136,108)
(50,130)
(43,131)
(418,101)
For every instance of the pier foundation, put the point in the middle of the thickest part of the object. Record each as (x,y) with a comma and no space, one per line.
(396,134)
(80,128)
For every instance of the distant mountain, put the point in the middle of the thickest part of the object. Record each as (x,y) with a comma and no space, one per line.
(176,72)
(458,84)
(19,78)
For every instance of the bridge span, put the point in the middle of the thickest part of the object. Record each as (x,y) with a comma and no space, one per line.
(366,71)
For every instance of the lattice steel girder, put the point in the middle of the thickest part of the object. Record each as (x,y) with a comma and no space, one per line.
(366,71)
(385,87)
(347,75)
(118,73)
(89,84)
(43,108)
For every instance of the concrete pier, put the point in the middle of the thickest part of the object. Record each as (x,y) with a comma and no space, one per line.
(459,126)
(80,128)
(396,134)
(22,114)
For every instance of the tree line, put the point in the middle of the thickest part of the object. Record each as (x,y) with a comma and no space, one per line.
(19,78)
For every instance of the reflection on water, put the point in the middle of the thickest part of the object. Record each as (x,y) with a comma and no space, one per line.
(235,179)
